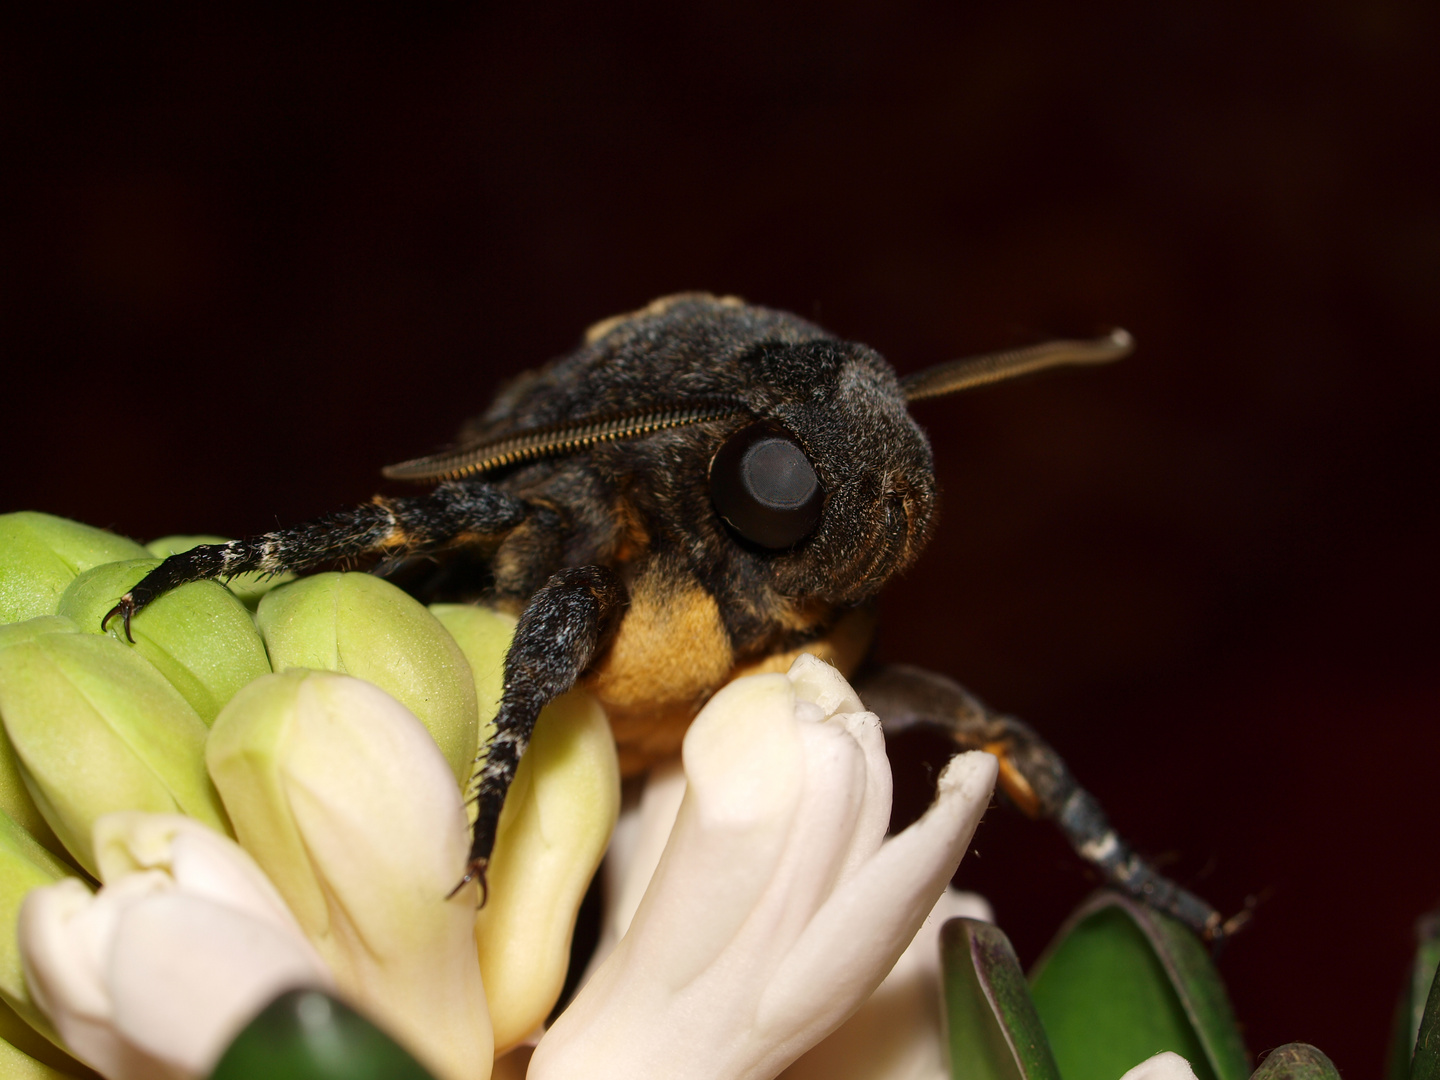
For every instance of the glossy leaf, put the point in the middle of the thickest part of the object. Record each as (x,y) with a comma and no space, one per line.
(1426,1063)
(1410,1008)
(1122,983)
(1296,1061)
(994,1030)
(309,1035)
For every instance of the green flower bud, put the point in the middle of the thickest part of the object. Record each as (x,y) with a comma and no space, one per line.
(24,864)
(40,555)
(484,637)
(24,1055)
(96,728)
(198,636)
(364,626)
(14,796)
(248,587)
(557,820)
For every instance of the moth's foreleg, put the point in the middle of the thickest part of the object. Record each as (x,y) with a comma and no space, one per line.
(1038,781)
(560,632)
(454,513)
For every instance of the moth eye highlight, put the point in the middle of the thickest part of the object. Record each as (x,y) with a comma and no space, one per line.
(765,488)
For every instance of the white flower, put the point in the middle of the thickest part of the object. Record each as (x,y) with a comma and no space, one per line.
(1166,1065)
(775,909)
(155,974)
(899,1033)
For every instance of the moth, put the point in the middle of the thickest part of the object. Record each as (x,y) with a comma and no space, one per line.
(704,489)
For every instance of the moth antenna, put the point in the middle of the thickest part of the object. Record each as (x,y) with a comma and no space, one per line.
(972,371)
(554,440)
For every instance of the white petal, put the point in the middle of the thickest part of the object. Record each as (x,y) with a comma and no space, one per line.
(816,681)
(898,1034)
(855,939)
(199,861)
(186,974)
(745,769)
(1166,1065)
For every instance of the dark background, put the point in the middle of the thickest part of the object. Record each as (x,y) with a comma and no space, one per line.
(250,260)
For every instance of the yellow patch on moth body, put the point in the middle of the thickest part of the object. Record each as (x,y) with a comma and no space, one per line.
(669,654)
(650,720)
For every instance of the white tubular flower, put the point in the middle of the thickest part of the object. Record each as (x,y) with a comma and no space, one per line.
(899,1033)
(155,974)
(347,804)
(1166,1065)
(776,910)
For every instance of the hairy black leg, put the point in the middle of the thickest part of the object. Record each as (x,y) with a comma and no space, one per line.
(1037,780)
(454,513)
(566,624)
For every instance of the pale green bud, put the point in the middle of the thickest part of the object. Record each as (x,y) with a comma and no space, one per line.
(361,625)
(15,797)
(40,555)
(24,1054)
(198,636)
(24,864)
(96,728)
(484,637)
(557,820)
(248,587)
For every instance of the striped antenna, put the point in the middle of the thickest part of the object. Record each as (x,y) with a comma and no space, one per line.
(960,375)
(554,440)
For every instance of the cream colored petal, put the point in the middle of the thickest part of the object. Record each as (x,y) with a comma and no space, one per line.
(558,817)
(855,939)
(1166,1065)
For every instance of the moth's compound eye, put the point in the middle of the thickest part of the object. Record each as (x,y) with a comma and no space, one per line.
(763,484)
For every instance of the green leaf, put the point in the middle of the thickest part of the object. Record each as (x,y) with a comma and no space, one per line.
(1410,1008)
(309,1035)
(994,1031)
(1121,983)
(1426,1063)
(1297,1061)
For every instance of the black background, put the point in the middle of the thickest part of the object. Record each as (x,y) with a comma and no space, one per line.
(249,260)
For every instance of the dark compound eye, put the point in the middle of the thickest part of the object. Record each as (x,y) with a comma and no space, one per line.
(763,484)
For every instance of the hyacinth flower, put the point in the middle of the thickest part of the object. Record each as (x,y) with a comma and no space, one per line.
(776,907)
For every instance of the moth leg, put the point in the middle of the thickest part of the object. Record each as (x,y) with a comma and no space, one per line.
(1038,781)
(459,512)
(560,632)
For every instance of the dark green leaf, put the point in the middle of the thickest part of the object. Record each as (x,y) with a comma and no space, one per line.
(995,1033)
(1121,983)
(1426,1063)
(1410,1009)
(1296,1061)
(309,1035)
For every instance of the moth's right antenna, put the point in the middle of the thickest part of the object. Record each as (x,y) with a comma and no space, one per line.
(972,371)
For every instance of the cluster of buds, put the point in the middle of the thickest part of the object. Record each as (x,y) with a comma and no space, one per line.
(255,814)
